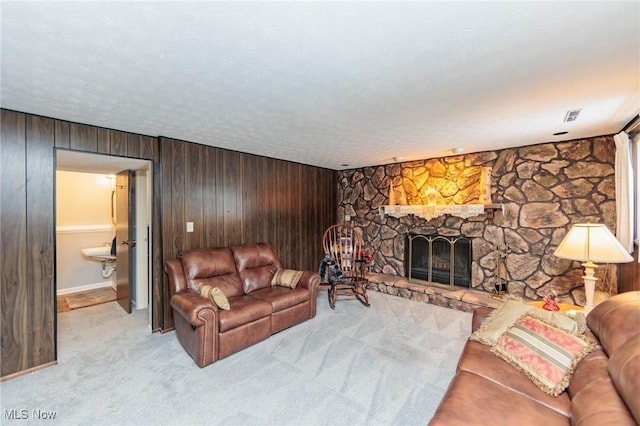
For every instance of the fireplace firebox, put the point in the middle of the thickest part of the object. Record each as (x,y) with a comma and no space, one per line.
(438,258)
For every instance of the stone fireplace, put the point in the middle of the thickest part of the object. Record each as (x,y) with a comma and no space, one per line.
(543,189)
(438,259)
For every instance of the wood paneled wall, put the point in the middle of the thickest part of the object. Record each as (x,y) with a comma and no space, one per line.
(629,278)
(234,198)
(27,332)
(27,227)
(231,198)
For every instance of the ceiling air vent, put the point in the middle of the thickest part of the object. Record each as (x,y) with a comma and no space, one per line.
(572,115)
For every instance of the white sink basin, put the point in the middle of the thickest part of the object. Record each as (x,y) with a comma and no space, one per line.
(98,253)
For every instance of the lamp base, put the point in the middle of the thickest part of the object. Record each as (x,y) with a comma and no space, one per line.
(589,284)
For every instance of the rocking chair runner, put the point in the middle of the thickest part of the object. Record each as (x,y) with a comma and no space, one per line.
(343,244)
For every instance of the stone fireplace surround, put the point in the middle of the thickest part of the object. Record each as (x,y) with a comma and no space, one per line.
(544,188)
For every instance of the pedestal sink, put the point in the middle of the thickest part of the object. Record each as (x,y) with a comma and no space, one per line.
(98,253)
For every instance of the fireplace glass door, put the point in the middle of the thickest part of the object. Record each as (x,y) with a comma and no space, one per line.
(439,259)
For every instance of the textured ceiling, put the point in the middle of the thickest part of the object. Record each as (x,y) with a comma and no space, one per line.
(325,83)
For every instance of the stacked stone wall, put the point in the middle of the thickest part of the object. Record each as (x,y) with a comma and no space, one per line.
(544,189)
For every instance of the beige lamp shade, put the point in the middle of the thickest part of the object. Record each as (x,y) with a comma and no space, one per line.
(592,242)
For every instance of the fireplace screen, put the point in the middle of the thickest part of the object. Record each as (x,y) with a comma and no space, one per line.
(437,258)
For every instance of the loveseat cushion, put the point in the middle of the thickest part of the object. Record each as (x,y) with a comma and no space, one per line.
(256,264)
(281,297)
(243,310)
(214,267)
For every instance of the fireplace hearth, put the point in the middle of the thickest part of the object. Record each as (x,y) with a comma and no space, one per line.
(438,259)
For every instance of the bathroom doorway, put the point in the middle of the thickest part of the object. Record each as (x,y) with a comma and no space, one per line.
(86,223)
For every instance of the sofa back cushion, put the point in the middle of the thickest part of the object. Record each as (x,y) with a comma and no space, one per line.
(256,263)
(214,267)
(615,320)
(175,272)
(624,368)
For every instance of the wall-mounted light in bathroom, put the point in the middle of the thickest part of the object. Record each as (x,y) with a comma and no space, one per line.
(108,181)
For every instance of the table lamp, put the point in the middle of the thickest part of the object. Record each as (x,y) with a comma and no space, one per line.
(589,243)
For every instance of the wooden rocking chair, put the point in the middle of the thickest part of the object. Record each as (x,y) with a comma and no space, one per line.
(346,276)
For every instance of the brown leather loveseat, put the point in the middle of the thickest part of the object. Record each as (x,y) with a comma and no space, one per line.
(603,390)
(257,309)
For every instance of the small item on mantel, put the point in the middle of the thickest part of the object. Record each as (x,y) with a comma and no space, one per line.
(432,196)
(550,303)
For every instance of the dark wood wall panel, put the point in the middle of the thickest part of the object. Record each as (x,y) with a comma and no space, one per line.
(193,205)
(147,147)
(62,134)
(133,145)
(263,209)
(231,197)
(104,141)
(177,229)
(234,198)
(629,278)
(40,231)
(14,294)
(232,186)
(27,229)
(211,199)
(119,142)
(83,137)
(160,297)
(150,150)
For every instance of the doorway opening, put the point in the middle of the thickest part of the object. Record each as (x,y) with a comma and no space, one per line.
(87,252)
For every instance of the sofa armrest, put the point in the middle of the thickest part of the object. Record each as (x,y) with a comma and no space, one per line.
(479,315)
(189,304)
(309,280)
(177,280)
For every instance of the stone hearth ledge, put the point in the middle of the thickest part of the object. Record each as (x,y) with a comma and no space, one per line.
(460,299)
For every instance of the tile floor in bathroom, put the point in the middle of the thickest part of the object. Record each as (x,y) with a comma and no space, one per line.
(82,299)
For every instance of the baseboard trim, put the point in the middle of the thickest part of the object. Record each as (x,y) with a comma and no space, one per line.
(86,287)
(27,371)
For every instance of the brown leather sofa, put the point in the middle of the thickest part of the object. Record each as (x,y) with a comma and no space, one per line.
(257,309)
(604,388)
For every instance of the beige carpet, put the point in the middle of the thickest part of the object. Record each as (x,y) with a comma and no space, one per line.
(82,299)
(388,364)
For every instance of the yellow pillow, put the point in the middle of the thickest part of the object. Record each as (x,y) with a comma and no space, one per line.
(216,295)
(286,278)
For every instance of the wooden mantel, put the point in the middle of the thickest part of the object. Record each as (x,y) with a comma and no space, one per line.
(429,212)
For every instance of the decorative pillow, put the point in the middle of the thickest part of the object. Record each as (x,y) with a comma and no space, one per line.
(508,313)
(216,295)
(286,278)
(543,352)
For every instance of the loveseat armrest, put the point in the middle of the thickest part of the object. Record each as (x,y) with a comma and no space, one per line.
(479,315)
(189,304)
(309,280)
